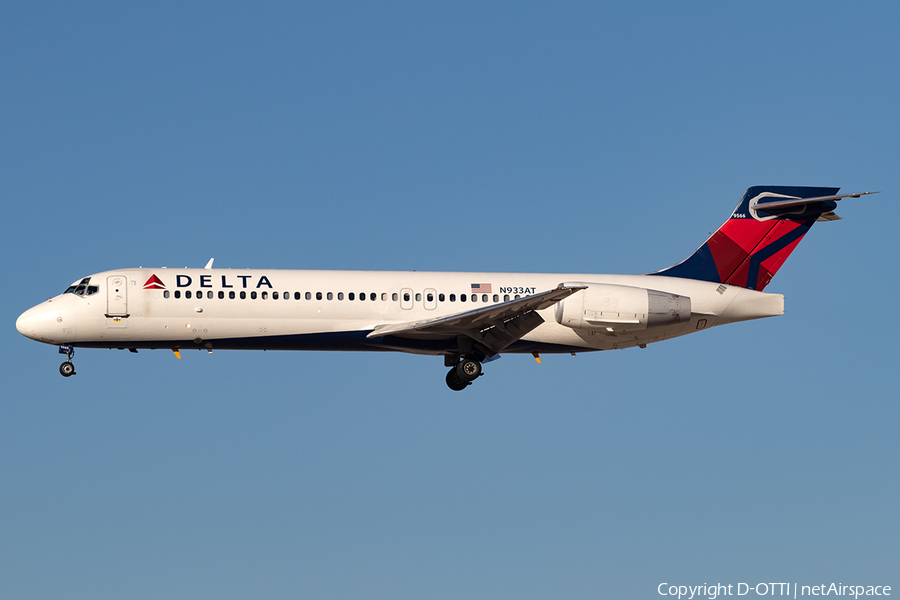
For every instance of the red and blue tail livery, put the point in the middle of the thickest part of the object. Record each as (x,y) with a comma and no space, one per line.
(763,230)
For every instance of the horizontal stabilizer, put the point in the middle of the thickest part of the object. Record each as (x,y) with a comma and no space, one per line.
(769,205)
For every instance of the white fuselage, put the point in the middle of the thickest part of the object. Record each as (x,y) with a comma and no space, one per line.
(313,310)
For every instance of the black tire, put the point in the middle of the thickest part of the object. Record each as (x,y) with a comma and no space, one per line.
(468,369)
(454,382)
(67,369)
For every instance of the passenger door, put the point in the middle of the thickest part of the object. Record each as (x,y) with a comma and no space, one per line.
(116,296)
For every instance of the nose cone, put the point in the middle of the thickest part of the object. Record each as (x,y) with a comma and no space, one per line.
(25,323)
(50,322)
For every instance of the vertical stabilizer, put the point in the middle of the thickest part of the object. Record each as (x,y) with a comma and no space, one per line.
(761,233)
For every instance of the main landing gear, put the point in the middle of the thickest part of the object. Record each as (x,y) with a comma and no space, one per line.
(67,369)
(462,373)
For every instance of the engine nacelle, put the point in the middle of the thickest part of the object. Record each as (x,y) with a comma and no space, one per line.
(611,308)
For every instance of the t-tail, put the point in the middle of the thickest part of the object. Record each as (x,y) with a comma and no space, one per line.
(763,230)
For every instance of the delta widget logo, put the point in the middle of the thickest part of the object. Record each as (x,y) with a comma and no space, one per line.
(154,283)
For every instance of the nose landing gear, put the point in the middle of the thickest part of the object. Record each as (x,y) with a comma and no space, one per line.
(67,369)
(462,374)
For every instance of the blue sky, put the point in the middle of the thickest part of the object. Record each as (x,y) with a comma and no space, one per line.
(578,137)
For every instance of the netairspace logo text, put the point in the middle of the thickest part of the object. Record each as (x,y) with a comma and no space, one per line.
(713,591)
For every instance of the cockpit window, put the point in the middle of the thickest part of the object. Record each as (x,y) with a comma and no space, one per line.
(82,288)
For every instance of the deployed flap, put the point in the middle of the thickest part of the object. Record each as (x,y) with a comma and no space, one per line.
(495,326)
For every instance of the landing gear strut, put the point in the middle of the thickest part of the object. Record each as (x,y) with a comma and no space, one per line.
(67,369)
(461,375)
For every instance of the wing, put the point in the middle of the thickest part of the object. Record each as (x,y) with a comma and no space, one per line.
(494,327)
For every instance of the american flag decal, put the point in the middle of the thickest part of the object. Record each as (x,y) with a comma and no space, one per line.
(482,288)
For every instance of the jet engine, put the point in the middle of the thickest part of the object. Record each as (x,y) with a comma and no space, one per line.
(612,308)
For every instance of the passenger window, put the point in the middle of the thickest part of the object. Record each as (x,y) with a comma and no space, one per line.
(296,295)
(265,295)
(484,298)
(372,296)
(418,297)
(462,298)
(231,295)
(394,296)
(166,294)
(308,296)
(383,296)
(209,294)
(318,295)
(177,294)
(362,295)
(243,295)
(496,298)
(406,297)
(286,295)
(187,294)
(429,298)
(474,297)
(253,295)
(330,296)
(274,295)
(506,297)
(440,297)
(452,297)
(351,296)
(517,296)
(340,295)
(221,295)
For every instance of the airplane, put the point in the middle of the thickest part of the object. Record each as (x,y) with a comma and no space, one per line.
(468,318)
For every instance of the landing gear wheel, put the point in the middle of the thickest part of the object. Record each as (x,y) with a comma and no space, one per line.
(67,369)
(468,369)
(455,383)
